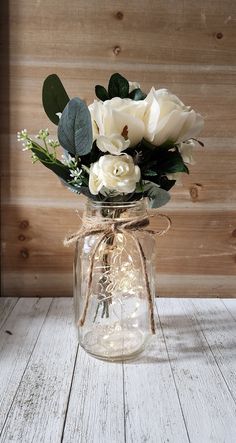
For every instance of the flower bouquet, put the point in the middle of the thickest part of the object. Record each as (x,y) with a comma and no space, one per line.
(125,146)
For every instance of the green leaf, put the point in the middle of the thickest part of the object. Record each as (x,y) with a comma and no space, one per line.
(165,183)
(137,94)
(172,162)
(75,128)
(101,93)
(118,86)
(150,173)
(54,97)
(157,196)
(54,165)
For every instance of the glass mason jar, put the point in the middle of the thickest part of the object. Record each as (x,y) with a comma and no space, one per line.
(114,280)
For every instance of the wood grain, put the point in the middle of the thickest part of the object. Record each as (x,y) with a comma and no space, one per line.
(187,47)
(220,330)
(181,389)
(199,381)
(6,306)
(40,403)
(160,32)
(16,346)
(149,386)
(35,258)
(105,390)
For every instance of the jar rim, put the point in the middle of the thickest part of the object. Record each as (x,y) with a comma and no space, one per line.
(116,204)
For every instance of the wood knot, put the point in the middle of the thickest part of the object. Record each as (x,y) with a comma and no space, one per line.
(194,191)
(119,15)
(24,253)
(116,50)
(219,35)
(21,237)
(24,224)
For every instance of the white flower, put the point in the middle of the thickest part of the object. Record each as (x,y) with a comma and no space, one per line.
(112,116)
(186,151)
(133,86)
(115,173)
(113,143)
(69,161)
(22,135)
(168,119)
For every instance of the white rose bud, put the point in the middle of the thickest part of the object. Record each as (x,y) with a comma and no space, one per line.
(114,143)
(168,119)
(115,173)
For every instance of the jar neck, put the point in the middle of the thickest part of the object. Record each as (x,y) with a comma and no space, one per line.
(114,210)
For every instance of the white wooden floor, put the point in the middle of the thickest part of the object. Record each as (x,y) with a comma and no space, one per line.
(182,390)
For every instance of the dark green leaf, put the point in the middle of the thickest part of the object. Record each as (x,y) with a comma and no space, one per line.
(150,173)
(54,97)
(118,86)
(101,93)
(137,94)
(75,128)
(165,183)
(56,166)
(168,162)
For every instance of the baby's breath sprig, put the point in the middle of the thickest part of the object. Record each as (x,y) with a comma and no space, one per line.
(69,169)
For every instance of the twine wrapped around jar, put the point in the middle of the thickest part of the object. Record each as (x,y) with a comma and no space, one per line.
(111,227)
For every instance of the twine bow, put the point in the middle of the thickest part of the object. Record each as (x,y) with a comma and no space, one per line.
(108,228)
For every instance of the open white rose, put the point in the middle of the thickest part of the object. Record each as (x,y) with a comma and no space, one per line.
(115,173)
(113,143)
(168,119)
(112,116)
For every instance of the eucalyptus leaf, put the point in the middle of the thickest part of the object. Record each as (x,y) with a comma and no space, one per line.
(101,93)
(54,97)
(158,197)
(118,86)
(75,128)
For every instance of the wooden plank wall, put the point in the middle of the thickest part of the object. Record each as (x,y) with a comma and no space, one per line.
(186,46)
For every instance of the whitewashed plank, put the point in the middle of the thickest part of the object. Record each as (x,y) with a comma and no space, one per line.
(153,412)
(96,409)
(207,405)
(219,329)
(6,306)
(38,411)
(24,324)
(230,305)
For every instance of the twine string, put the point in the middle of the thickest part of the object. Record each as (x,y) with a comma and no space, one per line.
(112,227)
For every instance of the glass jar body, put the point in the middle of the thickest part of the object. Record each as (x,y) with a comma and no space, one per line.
(114,280)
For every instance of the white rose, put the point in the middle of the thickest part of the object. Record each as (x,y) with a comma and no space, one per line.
(114,143)
(115,173)
(168,119)
(112,116)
